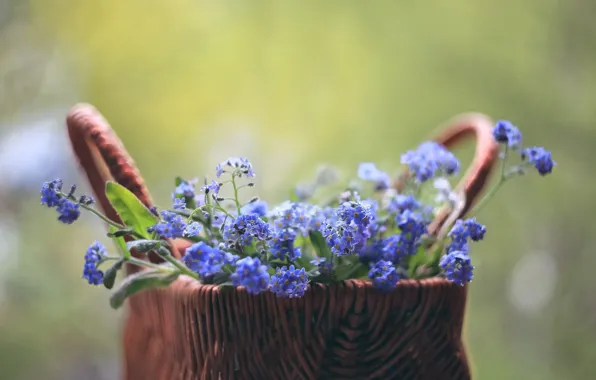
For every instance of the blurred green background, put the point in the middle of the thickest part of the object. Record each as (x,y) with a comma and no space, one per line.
(292,85)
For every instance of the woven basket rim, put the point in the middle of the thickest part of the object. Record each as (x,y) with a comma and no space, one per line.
(189,285)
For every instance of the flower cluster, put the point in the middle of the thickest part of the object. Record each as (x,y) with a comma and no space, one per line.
(205,260)
(95,254)
(381,236)
(289,282)
(430,160)
(509,135)
(251,274)
(67,206)
(457,263)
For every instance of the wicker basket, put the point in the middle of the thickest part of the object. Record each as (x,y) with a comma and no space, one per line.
(340,331)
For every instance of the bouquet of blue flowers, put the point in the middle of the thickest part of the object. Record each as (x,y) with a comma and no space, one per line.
(372,229)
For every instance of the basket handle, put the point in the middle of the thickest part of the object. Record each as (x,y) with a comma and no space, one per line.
(451,133)
(102,156)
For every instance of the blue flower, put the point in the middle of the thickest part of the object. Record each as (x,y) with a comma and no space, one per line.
(459,231)
(246,227)
(241,164)
(68,210)
(355,212)
(458,245)
(372,252)
(246,167)
(49,192)
(217,219)
(172,226)
(259,208)
(476,231)
(383,275)
(412,224)
(409,221)
(369,172)
(396,247)
(251,274)
(318,261)
(193,229)
(540,158)
(457,266)
(93,275)
(94,254)
(318,216)
(349,239)
(430,159)
(179,204)
(282,245)
(400,203)
(86,200)
(66,204)
(444,160)
(219,171)
(422,169)
(505,132)
(289,282)
(186,189)
(343,238)
(212,188)
(291,215)
(464,229)
(206,260)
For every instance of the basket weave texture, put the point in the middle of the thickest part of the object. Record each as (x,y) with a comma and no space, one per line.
(342,331)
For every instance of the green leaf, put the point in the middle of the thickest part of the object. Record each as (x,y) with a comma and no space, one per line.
(320,245)
(132,212)
(143,246)
(163,251)
(179,181)
(110,276)
(416,260)
(119,242)
(347,267)
(304,262)
(221,278)
(361,273)
(137,282)
(436,254)
(424,257)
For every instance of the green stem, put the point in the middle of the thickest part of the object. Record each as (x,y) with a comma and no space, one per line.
(354,269)
(147,264)
(97,213)
(165,254)
(219,208)
(488,197)
(103,217)
(236,194)
(503,177)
